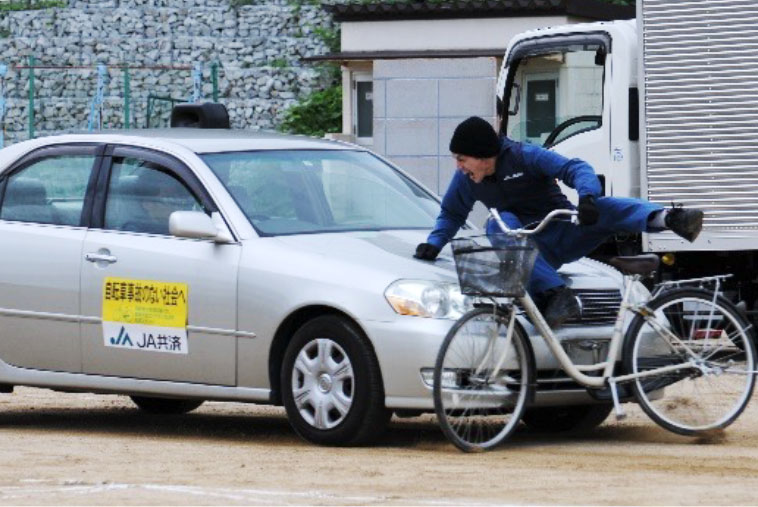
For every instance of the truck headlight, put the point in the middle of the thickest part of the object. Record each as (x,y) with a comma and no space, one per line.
(426,298)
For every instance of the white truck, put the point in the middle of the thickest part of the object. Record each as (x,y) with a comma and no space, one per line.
(664,107)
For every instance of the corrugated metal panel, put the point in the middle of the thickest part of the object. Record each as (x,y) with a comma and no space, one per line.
(701,107)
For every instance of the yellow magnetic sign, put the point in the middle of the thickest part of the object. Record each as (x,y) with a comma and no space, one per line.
(145,302)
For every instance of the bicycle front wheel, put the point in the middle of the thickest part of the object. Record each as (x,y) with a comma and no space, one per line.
(705,355)
(482,379)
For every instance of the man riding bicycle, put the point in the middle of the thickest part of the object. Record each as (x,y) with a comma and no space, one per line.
(519,180)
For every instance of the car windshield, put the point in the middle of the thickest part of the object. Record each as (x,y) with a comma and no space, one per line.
(308,191)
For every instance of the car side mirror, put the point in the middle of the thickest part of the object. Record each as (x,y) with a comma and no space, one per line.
(195,225)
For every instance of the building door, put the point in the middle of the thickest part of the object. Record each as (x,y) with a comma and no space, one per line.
(540,107)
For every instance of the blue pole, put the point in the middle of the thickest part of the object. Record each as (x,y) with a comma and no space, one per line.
(197,79)
(95,112)
(3,71)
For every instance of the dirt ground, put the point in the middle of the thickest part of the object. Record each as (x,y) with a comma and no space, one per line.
(86,449)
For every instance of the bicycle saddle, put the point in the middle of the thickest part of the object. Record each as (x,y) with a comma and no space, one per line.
(635,264)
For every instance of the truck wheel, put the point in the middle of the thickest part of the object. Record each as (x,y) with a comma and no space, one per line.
(573,418)
(331,384)
(165,406)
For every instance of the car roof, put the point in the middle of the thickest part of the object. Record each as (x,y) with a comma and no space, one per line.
(209,140)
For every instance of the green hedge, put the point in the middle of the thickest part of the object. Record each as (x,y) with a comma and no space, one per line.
(318,114)
(26,5)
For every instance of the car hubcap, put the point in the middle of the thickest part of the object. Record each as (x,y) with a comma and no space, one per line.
(323,383)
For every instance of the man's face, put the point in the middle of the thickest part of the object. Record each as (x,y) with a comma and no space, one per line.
(475,168)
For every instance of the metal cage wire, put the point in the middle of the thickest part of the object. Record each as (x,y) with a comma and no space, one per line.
(497,265)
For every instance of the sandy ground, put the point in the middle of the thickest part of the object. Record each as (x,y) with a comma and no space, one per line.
(88,449)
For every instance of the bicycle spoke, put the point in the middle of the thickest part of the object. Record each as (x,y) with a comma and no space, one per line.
(481,402)
(705,335)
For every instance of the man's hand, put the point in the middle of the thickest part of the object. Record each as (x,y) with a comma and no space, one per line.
(426,252)
(588,213)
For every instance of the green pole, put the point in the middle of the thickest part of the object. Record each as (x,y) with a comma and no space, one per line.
(31,97)
(214,80)
(127,97)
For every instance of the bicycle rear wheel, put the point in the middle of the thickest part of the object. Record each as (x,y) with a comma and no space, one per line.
(708,349)
(480,394)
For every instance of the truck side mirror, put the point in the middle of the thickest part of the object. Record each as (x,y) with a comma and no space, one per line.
(513,107)
(600,57)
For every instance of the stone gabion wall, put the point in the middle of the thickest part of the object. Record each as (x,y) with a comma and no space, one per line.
(258,48)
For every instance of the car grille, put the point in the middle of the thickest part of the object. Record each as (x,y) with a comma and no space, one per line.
(599,306)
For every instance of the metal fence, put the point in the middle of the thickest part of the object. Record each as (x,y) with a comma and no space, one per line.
(49,98)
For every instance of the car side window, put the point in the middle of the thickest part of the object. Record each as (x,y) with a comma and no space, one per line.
(49,191)
(142,195)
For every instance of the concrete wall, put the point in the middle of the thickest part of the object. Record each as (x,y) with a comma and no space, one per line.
(258,47)
(417,105)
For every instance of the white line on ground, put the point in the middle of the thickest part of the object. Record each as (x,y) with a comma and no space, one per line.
(243,495)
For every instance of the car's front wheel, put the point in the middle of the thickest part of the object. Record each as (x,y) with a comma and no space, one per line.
(331,384)
(165,406)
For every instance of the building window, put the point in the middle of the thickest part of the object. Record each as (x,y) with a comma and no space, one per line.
(363,107)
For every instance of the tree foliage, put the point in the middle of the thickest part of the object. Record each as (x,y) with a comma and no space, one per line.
(318,114)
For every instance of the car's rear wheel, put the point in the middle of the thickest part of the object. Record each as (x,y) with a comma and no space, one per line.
(331,384)
(574,418)
(165,406)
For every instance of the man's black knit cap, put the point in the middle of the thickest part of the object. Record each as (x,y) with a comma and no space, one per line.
(475,137)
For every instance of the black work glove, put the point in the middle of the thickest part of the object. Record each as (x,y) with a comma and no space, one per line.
(588,213)
(426,252)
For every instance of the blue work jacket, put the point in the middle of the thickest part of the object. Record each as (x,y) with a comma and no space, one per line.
(524,184)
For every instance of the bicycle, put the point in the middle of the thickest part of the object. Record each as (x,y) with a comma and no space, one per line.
(688,353)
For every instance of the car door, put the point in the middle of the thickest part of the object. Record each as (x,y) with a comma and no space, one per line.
(157,306)
(42,226)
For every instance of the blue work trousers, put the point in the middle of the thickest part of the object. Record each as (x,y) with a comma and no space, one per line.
(563,242)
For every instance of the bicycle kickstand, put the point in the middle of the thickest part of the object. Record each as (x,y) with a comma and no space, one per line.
(620,413)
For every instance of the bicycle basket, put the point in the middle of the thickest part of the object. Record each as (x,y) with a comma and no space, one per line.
(497,265)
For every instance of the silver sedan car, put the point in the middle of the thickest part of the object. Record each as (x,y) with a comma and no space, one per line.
(184,265)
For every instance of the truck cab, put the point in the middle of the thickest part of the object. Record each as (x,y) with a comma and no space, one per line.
(664,108)
(574,90)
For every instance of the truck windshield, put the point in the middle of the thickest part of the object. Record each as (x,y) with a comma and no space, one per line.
(561,94)
(310,191)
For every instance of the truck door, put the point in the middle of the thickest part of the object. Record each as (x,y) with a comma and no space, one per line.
(554,92)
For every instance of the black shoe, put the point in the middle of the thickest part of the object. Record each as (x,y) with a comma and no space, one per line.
(560,305)
(687,223)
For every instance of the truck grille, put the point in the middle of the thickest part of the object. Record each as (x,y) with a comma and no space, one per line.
(599,306)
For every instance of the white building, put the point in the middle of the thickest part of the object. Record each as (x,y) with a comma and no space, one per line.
(411,71)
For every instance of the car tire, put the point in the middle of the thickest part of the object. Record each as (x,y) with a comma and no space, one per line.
(165,406)
(331,384)
(573,418)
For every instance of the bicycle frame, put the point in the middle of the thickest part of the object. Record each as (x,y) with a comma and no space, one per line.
(579,373)
(485,371)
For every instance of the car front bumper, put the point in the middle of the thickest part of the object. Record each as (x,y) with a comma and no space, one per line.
(407,348)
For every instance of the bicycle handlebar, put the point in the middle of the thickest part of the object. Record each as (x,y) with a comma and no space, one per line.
(527,232)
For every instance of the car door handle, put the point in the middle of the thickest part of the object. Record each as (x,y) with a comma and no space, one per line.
(96,257)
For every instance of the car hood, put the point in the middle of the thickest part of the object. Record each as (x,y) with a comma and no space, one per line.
(392,252)
(387,251)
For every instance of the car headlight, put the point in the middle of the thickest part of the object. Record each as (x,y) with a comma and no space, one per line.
(426,298)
